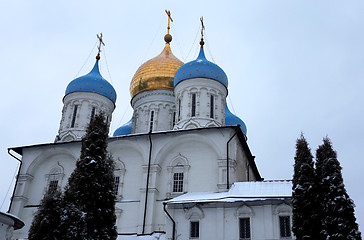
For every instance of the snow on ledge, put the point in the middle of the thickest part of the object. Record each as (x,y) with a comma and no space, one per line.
(241,191)
(154,236)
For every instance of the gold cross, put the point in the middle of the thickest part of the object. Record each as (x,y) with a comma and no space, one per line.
(169,19)
(99,47)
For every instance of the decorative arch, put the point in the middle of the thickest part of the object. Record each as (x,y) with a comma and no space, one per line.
(173,145)
(46,155)
(195,213)
(283,209)
(191,125)
(179,160)
(116,146)
(244,211)
(69,136)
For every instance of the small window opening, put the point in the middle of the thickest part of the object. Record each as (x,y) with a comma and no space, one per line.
(174,119)
(285,226)
(178,182)
(74,116)
(179,109)
(193,109)
(53,185)
(116,185)
(244,228)
(212,106)
(92,113)
(151,121)
(195,230)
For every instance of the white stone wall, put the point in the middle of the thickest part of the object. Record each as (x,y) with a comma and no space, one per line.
(85,101)
(162,102)
(203,88)
(199,153)
(221,220)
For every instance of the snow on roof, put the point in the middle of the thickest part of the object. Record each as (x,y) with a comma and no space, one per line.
(247,191)
(154,236)
(18,223)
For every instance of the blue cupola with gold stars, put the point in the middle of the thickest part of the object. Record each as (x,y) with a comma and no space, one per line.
(233,120)
(92,82)
(125,129)
(85,97)
(200,88)
(201,68)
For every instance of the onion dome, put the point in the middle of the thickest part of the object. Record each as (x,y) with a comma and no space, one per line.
(201,68)
(156,73)
(233,120)
(125,129)
(92,82)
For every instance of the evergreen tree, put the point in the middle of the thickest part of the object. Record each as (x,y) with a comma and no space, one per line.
(305,220)
(338,217)
(89,199)
(47,219)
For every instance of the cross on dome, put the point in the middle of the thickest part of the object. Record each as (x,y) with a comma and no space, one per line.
(99,47)
(168,37)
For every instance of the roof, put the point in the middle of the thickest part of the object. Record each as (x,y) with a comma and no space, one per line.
(92,82)
(153,236)
(240,135)
(201,68)
(241,191)
(17,222)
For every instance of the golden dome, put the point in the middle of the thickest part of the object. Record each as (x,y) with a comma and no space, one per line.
(156,73)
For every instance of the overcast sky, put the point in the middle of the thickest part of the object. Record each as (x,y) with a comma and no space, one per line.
(293,66)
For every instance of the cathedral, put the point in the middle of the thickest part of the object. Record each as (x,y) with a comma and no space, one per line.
(183,168)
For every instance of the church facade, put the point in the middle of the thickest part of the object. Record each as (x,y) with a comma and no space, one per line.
(182,140)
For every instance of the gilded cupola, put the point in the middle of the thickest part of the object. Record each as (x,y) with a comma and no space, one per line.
(158,72)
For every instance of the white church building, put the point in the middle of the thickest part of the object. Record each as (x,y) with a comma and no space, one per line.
(183,168)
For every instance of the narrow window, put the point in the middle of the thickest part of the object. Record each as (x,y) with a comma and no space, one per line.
(53,185)
(212,106)
(178,182)
(174,119)
(285,226)
(179,109)
(193,109)
(244,228)
(92,113)
(74,116)
(151,121)
(194,230)
(116,185)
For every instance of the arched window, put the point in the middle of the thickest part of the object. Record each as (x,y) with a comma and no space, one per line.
(54,178)
(194,215)
(244,214)
(119,172)
(178,176)
(284,220)
(74,115)
(193,104)
(212,106)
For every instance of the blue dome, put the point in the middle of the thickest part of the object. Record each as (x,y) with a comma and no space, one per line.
(92,82)
(200,68)
(233,120)
(125,129)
